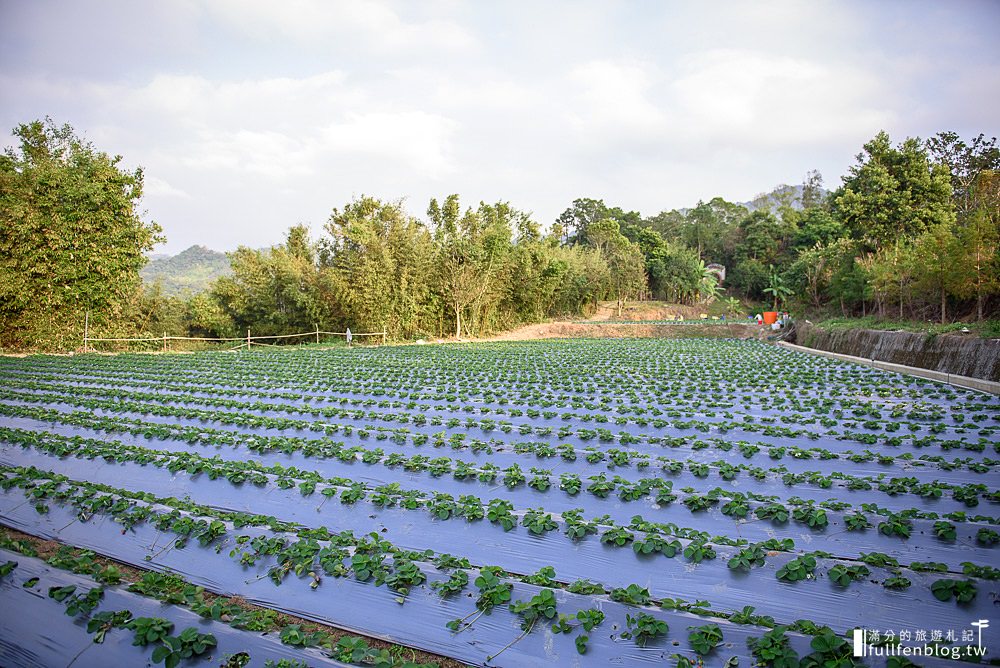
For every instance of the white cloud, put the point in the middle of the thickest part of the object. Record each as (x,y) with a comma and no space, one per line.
(373,24)
(285,128)
(756,99)
(614,95)
(157,187)
(253,115)
(419,140)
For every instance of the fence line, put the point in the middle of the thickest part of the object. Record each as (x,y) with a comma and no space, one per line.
(246,341)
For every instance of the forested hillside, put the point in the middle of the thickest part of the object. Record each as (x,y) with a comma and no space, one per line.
(910,232)
(190,271)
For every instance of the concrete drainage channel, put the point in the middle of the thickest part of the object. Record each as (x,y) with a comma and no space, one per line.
(979,384)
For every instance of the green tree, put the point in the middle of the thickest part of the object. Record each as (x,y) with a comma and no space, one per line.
(750,276)
(711,229)
(273,291)
(674,272)
(378,265)
(976,269)
(932,260)
(762,237)
(848,278)
(893,193)
(72,240)
(470,251)
(777,288)
(575,221)
(627,268)
(625,259)
(814,268)
(813,194)
(668,224)
(205,317)
(817,226)
(581,276)
(966,163)
(760,244)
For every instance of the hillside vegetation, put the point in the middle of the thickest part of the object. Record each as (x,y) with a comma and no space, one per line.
(191,271)
(911,233)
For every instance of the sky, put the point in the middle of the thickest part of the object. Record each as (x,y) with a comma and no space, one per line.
(250,116)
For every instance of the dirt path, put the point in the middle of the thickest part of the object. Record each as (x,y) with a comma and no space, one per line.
(602,325)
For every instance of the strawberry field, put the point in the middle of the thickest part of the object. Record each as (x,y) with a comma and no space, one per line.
(613,502)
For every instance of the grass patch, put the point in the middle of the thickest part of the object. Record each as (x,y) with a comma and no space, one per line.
(987,329)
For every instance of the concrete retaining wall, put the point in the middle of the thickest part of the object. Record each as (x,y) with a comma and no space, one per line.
(969,356)
(993,387)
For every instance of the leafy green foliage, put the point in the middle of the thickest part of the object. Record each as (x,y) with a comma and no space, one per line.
(772,649)
(704,639)
(644,627)
(632,595)
(541,606)
(963,591)
(58,263)
(844,575)
(797,569)
(148,630)
(187,645)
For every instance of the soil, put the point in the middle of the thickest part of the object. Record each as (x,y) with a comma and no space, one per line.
(566,330)
(646,311)
(600,325)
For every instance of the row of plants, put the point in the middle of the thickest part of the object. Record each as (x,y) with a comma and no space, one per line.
(309,556)
(493,591)
(735,505)
(419,418)
(173,590)
(654,358)
(513,476)
(704,640)
(305,554)
(618,457)
(769,400)
(827,412)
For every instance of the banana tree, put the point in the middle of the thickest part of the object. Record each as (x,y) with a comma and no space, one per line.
(777,288)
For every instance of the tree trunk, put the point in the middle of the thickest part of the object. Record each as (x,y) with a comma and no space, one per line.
(458,321)
(900,296)
(979,305)
(620,301)
(944,304)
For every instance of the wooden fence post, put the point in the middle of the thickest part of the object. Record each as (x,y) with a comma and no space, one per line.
(164,342)
(317,333)
(248,338)
(383,337)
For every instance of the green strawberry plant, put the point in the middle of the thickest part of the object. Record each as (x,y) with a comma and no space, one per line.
(644,627)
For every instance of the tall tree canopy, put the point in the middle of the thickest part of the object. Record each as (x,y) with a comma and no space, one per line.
(72,239)
(894,193)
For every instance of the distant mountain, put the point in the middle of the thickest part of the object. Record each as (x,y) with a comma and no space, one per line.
(773,200)
(781,195)
(190,271)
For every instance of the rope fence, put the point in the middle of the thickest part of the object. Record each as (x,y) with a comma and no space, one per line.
(247,341)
